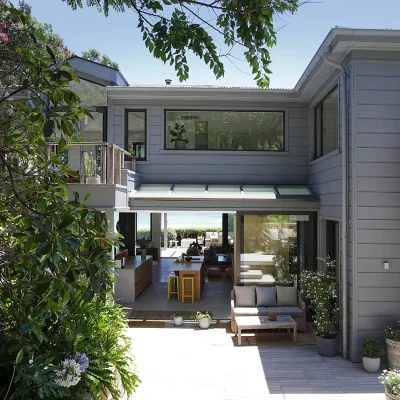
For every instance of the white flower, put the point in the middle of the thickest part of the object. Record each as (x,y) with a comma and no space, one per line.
(70,374)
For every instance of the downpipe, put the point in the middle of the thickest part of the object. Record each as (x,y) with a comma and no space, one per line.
(344,230)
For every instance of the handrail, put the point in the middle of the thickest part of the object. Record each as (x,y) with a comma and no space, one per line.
(109,161)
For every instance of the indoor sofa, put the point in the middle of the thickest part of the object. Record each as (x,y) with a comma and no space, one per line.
(261,300)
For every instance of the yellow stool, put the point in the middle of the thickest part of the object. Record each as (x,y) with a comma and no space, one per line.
(173,286)
(187,294)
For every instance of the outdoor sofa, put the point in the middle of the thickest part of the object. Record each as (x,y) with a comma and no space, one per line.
(261,300)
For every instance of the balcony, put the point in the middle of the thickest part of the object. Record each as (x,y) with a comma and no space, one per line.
(103,169)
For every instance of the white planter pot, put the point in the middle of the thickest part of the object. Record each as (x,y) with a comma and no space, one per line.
(93,180)
(371,365)
(204,323)
(178,321)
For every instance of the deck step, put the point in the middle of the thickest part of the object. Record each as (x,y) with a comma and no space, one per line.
(252,273)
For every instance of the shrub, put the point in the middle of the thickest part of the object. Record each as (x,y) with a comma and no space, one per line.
(321,289)
(371,348)
(391,381)
(393,333)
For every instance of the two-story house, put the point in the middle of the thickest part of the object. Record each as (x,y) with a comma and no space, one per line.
(326,155)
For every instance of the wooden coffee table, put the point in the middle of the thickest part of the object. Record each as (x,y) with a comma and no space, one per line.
(282,322)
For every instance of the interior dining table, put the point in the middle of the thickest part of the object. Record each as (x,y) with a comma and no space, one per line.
(193,268)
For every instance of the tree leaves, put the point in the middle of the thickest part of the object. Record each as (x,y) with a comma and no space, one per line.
(172,27)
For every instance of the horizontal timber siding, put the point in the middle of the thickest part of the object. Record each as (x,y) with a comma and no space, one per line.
(377,154)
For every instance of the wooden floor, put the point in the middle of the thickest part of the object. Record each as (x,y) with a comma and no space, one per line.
(192,364)
(215,296)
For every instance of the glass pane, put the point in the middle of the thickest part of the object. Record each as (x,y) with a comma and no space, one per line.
(179,188)
(155,188)
(253,191)
(92,129)
(330,123)
(225,130)
(136,129)
(223,189)
(294,191)
(89,93)
(143,226)
(275,248)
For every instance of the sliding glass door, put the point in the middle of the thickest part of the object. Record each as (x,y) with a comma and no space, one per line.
(275,248)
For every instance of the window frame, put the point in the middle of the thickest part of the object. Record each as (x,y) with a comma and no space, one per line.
(127,111)
(100,110)
(320,128)
(284,127)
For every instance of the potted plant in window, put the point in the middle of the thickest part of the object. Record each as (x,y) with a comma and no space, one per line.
(203,318)
(177,133)
(392,338)
(143,244)
(321,289)
(178,318)
(90,169)
(372,351)
(391,382)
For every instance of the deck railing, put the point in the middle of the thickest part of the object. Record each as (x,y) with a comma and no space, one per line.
(109,160)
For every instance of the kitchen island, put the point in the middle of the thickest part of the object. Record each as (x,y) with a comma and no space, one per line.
(133,279)
(194,268)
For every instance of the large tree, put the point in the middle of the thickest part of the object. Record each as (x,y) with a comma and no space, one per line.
(172,27)
(54,40)
(60,335)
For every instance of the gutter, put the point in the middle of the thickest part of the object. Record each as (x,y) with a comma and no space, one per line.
(344,149)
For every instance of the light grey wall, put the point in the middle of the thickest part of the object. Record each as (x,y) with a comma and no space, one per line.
(325,178)
(222,167)
(376,196)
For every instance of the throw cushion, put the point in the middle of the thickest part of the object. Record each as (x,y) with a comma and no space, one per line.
(266,296)
(287,295)
(245,296)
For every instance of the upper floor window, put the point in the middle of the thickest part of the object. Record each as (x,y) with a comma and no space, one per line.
(327,124)
(135,133)
(225,130)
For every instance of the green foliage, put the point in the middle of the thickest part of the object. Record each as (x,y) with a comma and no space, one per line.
(96,56)
(198,315)
(172,27)
(177,133)
(143,242)
(371,348)
(393,332)
(177,315)
(283,270)
(56,277)
(391,381)
(321,289)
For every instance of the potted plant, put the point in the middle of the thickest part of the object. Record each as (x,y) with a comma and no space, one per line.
(90,169)
(203,318)
(321,289)
(392,338)
(391,382)
(372,351)
(177,318)
(271,316)
(177,133)
(143,244)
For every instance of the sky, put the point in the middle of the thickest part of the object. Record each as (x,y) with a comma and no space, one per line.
(299,37)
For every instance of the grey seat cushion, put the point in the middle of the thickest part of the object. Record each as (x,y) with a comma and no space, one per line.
(294,312)
(245,296)
(251,311)
(266,296)
(286,295)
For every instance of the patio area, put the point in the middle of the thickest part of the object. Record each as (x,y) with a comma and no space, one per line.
(189,363)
